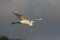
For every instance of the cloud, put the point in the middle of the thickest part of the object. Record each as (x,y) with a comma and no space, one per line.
(48,9)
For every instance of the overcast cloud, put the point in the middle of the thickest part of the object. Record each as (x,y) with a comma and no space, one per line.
(47,29)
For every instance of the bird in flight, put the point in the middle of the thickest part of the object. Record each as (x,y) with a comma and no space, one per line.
(22,19)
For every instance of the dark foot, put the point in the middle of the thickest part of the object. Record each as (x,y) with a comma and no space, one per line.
(13,23)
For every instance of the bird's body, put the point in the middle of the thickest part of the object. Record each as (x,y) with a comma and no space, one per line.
(30,23)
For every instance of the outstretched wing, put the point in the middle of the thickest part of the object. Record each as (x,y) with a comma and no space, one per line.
(20,16)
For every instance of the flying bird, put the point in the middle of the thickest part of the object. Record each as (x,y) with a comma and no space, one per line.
(22,19)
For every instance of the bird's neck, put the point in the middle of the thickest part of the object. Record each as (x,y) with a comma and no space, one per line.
(31,23)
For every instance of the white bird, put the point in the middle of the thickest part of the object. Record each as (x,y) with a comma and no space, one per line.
(22,19)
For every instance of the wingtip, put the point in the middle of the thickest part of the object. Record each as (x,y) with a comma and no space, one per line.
(15,12)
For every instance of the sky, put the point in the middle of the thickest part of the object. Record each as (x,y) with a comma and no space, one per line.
(46,29)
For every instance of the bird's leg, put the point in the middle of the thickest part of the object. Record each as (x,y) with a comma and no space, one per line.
(13,23)
(19,22)
(16,23)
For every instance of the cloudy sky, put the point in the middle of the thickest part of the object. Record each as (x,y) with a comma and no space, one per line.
(47,29)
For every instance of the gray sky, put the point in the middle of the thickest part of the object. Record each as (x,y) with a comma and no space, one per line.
(48,29)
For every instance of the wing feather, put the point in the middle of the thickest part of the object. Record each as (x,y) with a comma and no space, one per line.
(20,16)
